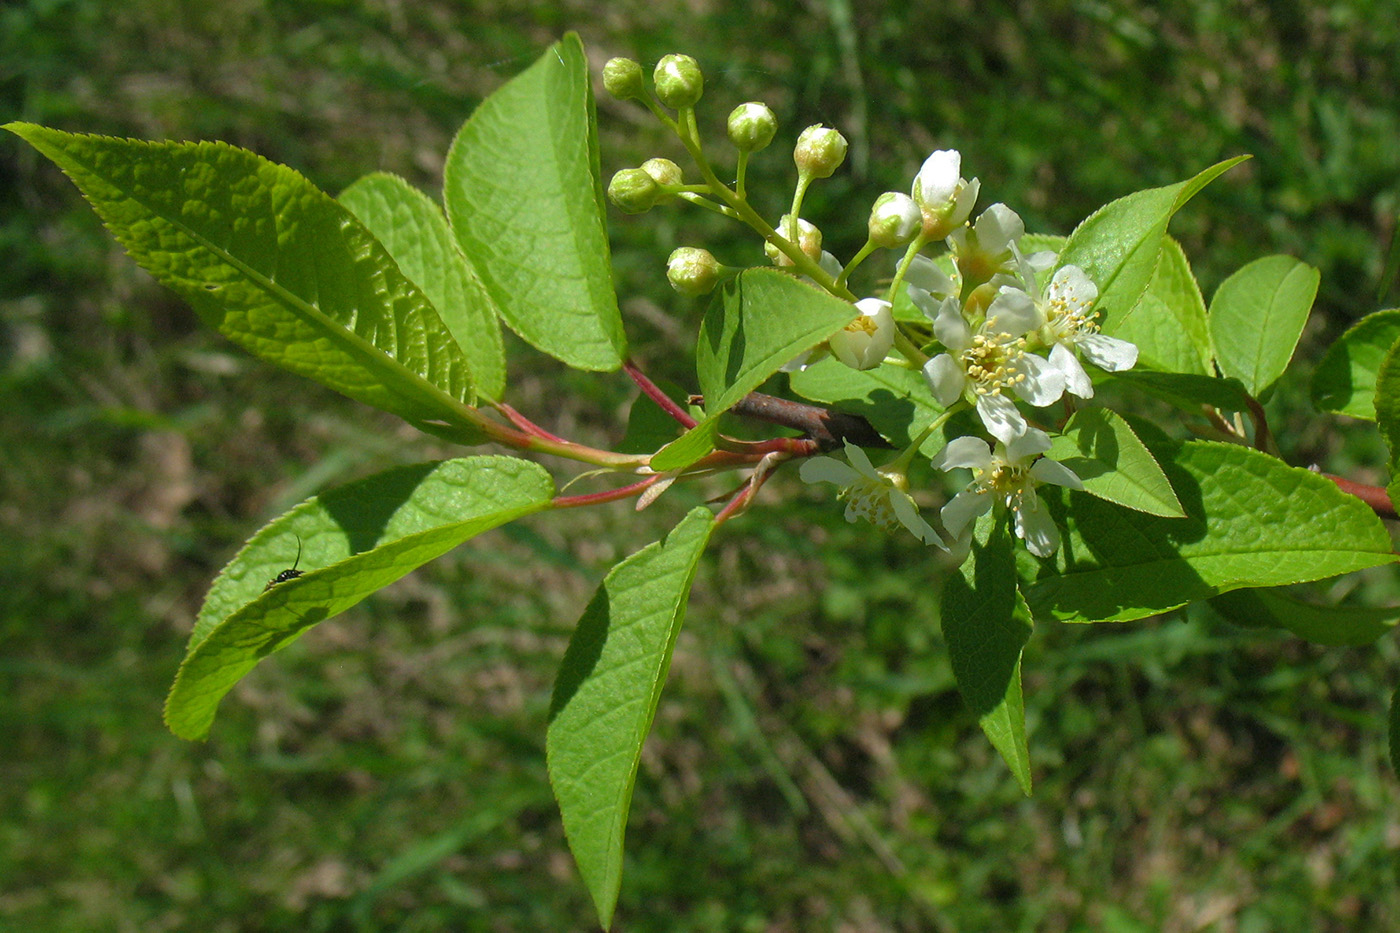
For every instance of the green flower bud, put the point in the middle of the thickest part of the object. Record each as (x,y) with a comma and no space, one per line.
(634,191)
(894,220)
(693,271)
(679,82)
(664,171)
(820,151)
(751,126)
(809,240)
(622,78)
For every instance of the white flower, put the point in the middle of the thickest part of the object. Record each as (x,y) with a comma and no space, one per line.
(878,497)
(1068,324)
(1006,474)
(928,285)
(865,341)
(992,360)
(988,247)
(945,197)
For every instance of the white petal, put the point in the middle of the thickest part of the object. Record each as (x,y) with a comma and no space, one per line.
(937,180)
(1055,473)
(950,327)
(1028,445)
(946,379)
(827,470)
(968,452)
(997,227)
(963,509)
(966,201)
(1035,526)
(1043,385)
(1000,415)
(924,273)
(908,514)
(860,461)
(1071,285)
(1013,312)
(1076,379)
(829,264)
(1108,353)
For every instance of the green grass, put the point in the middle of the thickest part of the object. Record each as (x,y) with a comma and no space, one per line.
(812,767)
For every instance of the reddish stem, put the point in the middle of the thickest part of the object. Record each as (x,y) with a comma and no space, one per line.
(609,495)
(525,424)
(651,391)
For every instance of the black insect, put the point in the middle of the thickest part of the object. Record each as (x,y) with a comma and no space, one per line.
(290,574)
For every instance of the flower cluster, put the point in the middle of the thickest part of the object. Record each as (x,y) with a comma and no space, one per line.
(1006,331)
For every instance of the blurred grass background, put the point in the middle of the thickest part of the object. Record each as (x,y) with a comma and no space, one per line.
(812,767)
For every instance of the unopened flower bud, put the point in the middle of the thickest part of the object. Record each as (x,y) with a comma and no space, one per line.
(634,191)
(693,271)
(894,220)
(622,78)
(752,126)
(664,171)
(944,196)
(865,341)
(679,81)
(809,240)
(819,152)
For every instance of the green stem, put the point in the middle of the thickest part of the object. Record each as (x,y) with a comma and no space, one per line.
(859,257)
(906,456)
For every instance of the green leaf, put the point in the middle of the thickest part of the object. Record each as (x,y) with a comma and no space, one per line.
(689,447)
(1169,327)
(1335,626)
(756,323)
(895,400)
(1102,450)
(986,624)
(649,427)
(1117,245)
(525,202)
(273,263)
(353,540)
(1250,521)
(1388,415)
(1345,380)
(412,227)
(1188,391)
(1257,316)
(606,696)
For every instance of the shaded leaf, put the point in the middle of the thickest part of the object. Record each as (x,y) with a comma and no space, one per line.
(1345,380)
(1322,625)
(1250,521)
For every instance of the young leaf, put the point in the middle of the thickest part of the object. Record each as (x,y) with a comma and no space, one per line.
(525,203)
(1345,381)
(1322,625)
(1102,450)
(1257,316)
(273,263)
(1169,327)
(986,624)
(1388,414)
(412,227)
(758,321)
(1250,521)
(895,401)
(354,540)
(606,696)
(1117,245)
